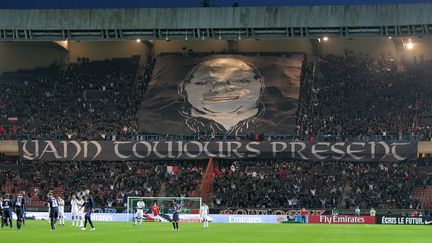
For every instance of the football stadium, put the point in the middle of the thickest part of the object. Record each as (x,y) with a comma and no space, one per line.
(216,121)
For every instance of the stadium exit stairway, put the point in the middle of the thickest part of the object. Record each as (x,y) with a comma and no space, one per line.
(207,183)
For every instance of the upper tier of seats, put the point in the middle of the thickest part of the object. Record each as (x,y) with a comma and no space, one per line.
(351,97)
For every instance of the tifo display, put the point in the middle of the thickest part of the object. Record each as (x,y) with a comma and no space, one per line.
(278,123)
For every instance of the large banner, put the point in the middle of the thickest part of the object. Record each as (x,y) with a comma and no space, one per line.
(139,150)
(227,94)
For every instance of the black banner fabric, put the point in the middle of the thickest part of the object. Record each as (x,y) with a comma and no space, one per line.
(171,150)
(225,94)
(403,220)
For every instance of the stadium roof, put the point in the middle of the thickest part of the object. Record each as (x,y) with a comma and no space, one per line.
(345,21)
(32,4)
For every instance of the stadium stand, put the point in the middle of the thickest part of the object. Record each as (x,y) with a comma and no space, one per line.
(326,185)
(100,100)
(87,100)
(71,103)
(265,184)
(111,182)
(230,113)
(356,95)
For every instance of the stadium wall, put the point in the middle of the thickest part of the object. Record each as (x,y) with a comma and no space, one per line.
(101,50)
(371,46)
(28,55)
(422,47)
(196,45)
(276,45)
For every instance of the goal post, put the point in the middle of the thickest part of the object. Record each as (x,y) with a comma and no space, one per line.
(189,205)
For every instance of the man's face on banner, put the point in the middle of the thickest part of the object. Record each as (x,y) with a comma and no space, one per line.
(223,86)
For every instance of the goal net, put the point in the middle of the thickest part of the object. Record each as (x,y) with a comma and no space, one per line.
(189,205)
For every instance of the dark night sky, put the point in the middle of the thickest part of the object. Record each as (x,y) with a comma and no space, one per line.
(181,3)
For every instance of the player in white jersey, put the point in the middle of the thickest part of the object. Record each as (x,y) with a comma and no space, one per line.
(140,211)
(204,212)
(61,205)
(81,213)
(74,210)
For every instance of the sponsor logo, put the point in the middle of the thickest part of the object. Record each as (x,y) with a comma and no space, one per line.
(282,218)
(402,220)
(190,218)
(244,220)
(342,219)
(102,217)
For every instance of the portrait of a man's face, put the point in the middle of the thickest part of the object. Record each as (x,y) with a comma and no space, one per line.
(225,90)
(228,94)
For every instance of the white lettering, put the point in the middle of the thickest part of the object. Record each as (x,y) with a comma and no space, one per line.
(394,152)
(135,151)
(253,150)
(275,147)
(65,148)
(316,151)
(50,148)
(117,152)
(27,154)
(351,152)
(199,150)
(337,151)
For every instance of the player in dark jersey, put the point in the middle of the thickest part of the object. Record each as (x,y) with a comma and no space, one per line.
(19,205)
(176,215)
(7,211)
(53,206)
(88,206)
(25,207)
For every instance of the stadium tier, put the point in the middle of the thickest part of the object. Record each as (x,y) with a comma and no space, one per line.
(106,100)
(165,124)
(286,184)
(111,183)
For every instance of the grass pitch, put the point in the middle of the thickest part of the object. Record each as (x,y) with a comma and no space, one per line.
(39,231)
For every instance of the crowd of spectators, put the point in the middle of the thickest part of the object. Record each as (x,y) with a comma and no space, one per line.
(357,95)
(110,182)
(341,96)
(239,184)
(85,100)
(185,183)
(326,185)
(423,73)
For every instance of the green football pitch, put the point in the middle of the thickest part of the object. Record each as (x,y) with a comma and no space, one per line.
(39,231)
